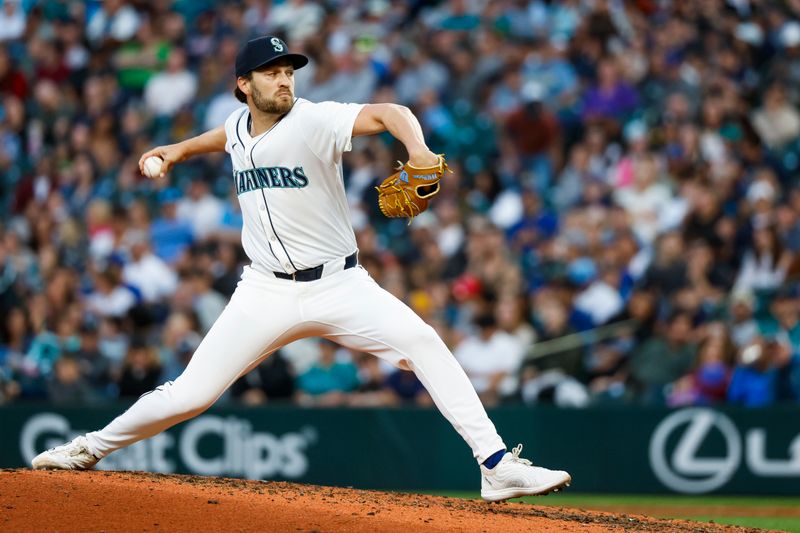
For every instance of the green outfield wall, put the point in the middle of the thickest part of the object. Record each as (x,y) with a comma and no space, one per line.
(693,451)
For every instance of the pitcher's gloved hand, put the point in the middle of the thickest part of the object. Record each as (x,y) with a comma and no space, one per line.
(405,194)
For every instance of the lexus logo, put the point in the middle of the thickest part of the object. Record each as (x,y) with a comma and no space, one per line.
(683,470)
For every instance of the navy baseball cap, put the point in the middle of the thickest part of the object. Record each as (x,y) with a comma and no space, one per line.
(258,52)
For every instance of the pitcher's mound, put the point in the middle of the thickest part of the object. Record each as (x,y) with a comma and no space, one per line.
(133,501)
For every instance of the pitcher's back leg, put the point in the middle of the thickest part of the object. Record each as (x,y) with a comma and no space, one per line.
(381,324)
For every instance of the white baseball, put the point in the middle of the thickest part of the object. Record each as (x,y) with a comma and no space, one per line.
(152,166)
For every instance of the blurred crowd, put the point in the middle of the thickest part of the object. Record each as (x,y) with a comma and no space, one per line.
(622,224)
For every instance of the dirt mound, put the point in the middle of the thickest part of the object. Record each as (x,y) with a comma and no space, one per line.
(134,501)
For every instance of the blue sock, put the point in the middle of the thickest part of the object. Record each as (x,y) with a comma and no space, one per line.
(493,459)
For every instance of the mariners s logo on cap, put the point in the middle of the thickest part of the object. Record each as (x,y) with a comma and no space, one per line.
(259,52)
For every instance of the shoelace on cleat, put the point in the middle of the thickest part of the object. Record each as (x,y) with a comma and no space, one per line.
(516,458)
(79,449)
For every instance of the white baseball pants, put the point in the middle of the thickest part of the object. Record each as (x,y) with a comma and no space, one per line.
(266,313)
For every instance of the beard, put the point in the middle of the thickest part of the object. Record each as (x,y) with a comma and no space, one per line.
(273,106)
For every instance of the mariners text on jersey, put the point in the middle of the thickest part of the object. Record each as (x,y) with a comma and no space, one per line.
(269,178)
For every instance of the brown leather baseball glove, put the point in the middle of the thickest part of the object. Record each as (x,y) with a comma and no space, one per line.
(405,193)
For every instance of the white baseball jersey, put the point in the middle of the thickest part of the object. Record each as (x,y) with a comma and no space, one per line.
(289,184)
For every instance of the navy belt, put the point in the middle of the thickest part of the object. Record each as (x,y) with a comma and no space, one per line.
(313,274)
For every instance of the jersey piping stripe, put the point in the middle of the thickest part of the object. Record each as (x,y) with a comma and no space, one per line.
(276,233)
(244,149)
(239,120)
(264,196)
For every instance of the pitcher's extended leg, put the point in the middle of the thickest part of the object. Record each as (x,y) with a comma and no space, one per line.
(250,327)
(384,326)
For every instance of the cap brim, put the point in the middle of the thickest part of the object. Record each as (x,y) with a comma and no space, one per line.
(298,61)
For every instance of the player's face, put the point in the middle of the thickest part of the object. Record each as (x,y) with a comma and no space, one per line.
(272,88)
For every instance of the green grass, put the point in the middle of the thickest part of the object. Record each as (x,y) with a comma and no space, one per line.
(778,524)
(614,501)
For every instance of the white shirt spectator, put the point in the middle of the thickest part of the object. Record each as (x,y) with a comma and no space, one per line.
(759,273)
(507,209)
(644,207)
(600,301)
(777,121)
(115,303)
(151,276)
(114,20)
(12,20)
(203,213)
(301,19)
(777,127)
(166,92)
(101,244)
(220,107)
(450,238)
(482,359)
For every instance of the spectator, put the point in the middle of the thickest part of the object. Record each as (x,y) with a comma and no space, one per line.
(299,18)
(66,386)
(201,210)
(783,324)
(12,80)
(551,318)
(777,121)
(708,383)
(510,313)
(180,342)
(168,91)
(139,59)
(94,367)
(372,390)
(551,387)
(765,263)
(407,389)
(601,300)
(16,337)
(110,297)
(644,199)
(227,269)
(12,20)
(140,371)
(663,359)
(754,379)
(329,380)
(611,98)
(270,381)
(667,272)
(787,386)
(744,328)
(113,342)
(548,63)
(574,176)
(170,236)
(115,21)
(534,132)
(491,358)
(147,273)
(208,303)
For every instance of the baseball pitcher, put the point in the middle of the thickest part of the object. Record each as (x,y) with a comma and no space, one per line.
(304,278)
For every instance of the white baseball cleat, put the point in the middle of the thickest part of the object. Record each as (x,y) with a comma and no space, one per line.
(514,476)
(74,455)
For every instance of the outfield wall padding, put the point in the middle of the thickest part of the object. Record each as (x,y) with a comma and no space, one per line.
(621,449)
